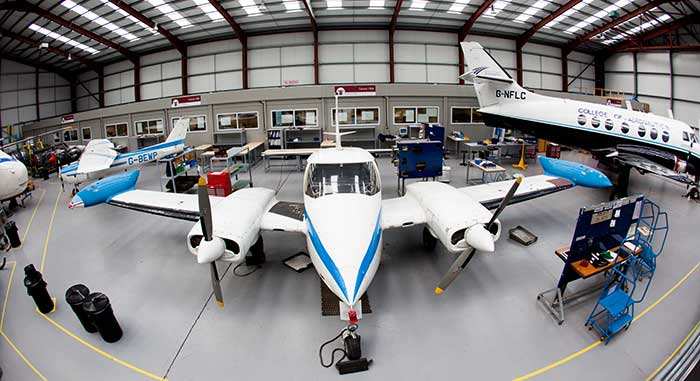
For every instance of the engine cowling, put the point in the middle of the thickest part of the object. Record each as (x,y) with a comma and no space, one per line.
(236,221)
(450,213)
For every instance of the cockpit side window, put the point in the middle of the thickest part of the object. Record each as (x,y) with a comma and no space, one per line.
(686,137)
(326,179)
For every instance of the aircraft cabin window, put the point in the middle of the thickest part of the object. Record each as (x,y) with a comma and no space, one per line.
(608,124)
(326,179)
(581,119)
(641,131)
(625,127)
(654,133)
(665,136)
(685,136)
(595,122)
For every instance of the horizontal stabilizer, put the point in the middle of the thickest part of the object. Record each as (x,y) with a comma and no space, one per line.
(579,174)
(102,191)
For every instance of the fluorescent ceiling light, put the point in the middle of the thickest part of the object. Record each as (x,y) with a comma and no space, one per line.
(250,8)
(292,6)
(209,10)
(598,16)
(79,9)
(496,8)
(568,13)
(62,39)
(334,4)
(458,6)
(376,4)
(127,15)
(418,5)
(531,11)
(170,13)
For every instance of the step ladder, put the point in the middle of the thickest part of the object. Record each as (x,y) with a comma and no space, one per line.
(625,286)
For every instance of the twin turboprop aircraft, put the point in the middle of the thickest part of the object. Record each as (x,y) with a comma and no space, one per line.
(624,138)
(343,216)
(100,159)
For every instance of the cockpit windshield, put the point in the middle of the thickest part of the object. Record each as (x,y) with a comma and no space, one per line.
(357,178)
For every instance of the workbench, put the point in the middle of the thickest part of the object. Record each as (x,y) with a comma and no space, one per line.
(457,142)
(488,174)
(474,147)
(298,154)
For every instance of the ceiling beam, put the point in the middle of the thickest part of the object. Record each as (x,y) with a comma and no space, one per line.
(176,42)
(395,16)
(314,31)
(674,48)
(467,27)
(89,63)
(240,34)
(21,5)
(663,29)
(392,30)
(66,75)
(586,37)
(523,38)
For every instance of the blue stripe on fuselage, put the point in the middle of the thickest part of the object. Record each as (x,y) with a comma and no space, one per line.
(369,255)
(151,148)
(7,159)
(325,257)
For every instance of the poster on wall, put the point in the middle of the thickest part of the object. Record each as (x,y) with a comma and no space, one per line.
(367,115)
(358,91)
(190,100)
(310,117)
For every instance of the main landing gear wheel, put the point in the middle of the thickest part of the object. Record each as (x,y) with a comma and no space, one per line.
(74,192)
(693,193)
(429,242)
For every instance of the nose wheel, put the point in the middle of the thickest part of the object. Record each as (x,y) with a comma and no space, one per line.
(693,193)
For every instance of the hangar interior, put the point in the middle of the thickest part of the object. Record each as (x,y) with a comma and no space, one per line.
(563,131)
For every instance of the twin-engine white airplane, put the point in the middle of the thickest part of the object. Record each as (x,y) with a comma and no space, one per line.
(13,177)
(343,216)
(625,138)
(100,159)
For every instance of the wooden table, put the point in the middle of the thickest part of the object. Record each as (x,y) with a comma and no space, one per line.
(590,270)
(488,174)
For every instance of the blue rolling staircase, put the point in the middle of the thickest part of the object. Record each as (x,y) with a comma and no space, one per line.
(614,310)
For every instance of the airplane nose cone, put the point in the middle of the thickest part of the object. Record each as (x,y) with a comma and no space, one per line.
(75,202)
(479,238)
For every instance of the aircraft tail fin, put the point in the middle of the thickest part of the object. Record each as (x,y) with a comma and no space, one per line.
(492,83)
(180,130)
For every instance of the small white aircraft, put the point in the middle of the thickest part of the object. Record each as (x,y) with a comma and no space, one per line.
(626,138)
(13,177)
(342,217)
(100,159)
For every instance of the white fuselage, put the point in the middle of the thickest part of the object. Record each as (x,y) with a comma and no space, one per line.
(13,177)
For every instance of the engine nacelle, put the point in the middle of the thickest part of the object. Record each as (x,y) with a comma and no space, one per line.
(450,213)
(236,220)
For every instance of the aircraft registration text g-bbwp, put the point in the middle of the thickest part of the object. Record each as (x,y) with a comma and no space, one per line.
(511,94)
(142,158)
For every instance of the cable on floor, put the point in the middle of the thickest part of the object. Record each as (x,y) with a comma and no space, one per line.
(255,268)
(341,350)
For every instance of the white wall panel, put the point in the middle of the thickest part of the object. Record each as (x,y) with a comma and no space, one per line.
(264,58)
(658,106)
(493,42)
(281,39)
(301,75)
(542,50)
(15,67)
(687,88)
(118,67)
(26,97)
(201,83)
(532,62)
(62,93)
(653,62)
(214,47)
(200,65)
(171,87)
(228,81)
(47,110)
(62,108)
(354,36)
(47,95)
(686,112)
(551,82)
(47,79)
(505,59)
(113,97)
(372,73)
(26,81)
(620,81)
(264,77)
(151,91)
(10,116)
(371,53)
(60,81)
(620,62)
(551,65)
(27,114)
(170,70)
(654,84)
(435,38)
(160,57)
(409,53)
(297,55)
(9,82)
(128,95)
(442,74)
(112,82)
(686,63)
(336,53)
(336,74)
(228,61)
(127,78)
(581,57)
(442,54)
(410,73)
(532,80)
(8,100)
(150,73)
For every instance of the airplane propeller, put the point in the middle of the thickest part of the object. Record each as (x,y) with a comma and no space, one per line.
(210,248)
(479,238)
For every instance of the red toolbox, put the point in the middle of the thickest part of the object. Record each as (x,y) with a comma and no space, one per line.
(219,184)
(553,150)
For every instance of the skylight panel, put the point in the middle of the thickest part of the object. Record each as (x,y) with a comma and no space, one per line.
(292,6)
(376,4)
(170,13)
(496,8)
(458,6)
(334,4)
(568,13)
(531,11)
(636,30)
(418,5)
(62,39)
(130,17)
(598,16)
(209,10)
(92,16)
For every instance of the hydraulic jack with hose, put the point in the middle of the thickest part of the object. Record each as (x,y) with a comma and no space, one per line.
(351,360)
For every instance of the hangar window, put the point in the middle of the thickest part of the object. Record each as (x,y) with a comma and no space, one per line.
(641,131)
(326,179)
(581,119)
(476,116)
(70,136)
(356,116)
(295,118)
(665,136)
(198,123)
(608,124)
(87,133)
(147,127)
(461,115)
(625,127)
(416,114)
(654,133)
(116,130)
(237,120)
(595,122)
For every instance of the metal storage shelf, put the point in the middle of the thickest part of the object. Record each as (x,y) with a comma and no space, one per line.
(307,136)
(364,136)
(230,138)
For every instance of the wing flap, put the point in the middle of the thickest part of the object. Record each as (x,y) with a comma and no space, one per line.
(645,165)
(490,195)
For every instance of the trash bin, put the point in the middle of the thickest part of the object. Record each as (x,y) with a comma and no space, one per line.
(13,234)
(100,312)
(75,297)
(36,288)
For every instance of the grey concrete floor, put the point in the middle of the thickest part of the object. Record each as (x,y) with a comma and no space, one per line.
(487,326)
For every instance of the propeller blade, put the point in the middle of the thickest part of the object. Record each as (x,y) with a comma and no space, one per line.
(457,266)
(216,285)
(204,209)
(505,201)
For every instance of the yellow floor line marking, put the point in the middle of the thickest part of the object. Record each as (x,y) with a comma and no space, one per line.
(101,352)
(48,234)
(597,343)
(678,348)
(26,230)
(2,321)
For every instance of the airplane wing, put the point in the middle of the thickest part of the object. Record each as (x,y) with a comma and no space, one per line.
(96,158)
(645,165)
(490,195)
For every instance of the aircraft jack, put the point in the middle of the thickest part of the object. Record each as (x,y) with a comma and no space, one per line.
(353,351)
(693,193)
(521,164)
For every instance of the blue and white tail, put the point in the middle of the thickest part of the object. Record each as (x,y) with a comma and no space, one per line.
(179,131)
(492,83)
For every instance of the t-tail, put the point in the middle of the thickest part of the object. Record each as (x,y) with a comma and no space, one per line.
(179,131)
(493,85)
